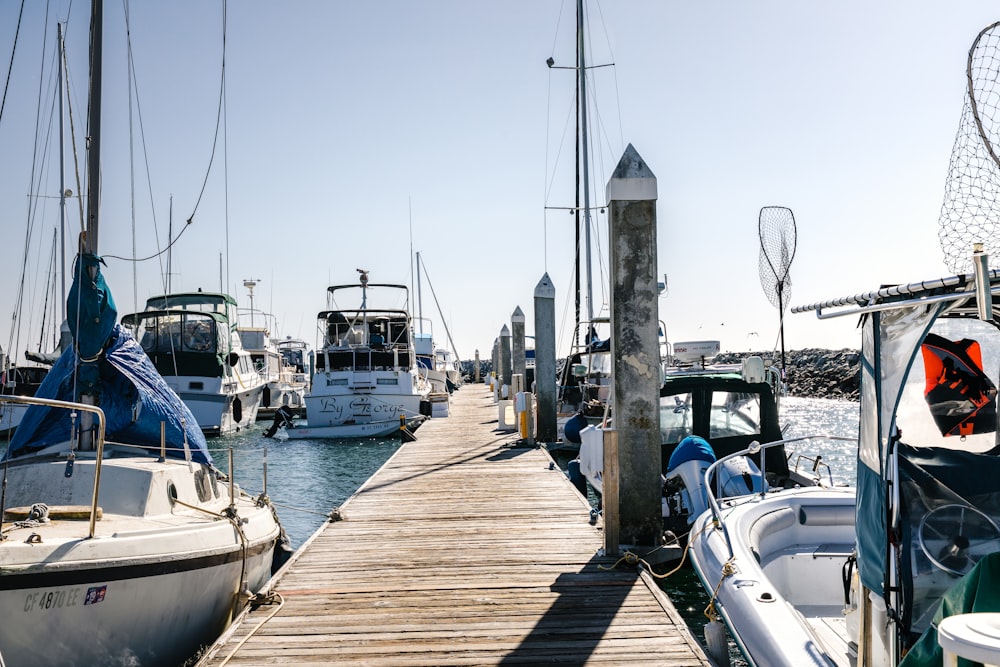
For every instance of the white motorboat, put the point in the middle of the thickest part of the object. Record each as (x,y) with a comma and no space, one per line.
(122,542)
(366,368)
(707,412)
(426,355)
(861,576)
(285,427)
(294,377)
(193,340)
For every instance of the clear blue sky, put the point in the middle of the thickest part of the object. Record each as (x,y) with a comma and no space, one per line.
(351,124)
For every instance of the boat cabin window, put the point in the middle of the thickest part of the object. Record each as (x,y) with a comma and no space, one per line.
(734,413)
(399,332)
(167,334)
(294,358)
(675,417)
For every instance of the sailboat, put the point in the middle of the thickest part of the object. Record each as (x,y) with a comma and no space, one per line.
(193,340)
(436,362)
(585,375)
(123,543)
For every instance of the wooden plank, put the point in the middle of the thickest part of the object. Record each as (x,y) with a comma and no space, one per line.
(463,549)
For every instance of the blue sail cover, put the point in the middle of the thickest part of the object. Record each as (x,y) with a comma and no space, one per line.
(91,314)
(133,395)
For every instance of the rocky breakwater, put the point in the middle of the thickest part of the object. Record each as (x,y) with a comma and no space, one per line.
(813,372)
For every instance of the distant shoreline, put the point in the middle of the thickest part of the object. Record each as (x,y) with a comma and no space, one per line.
(814,372)
(810,372)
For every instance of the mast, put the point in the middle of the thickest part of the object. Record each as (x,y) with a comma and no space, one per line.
(94,125)
(420,299)
(87,367)
(62,178)
(582,103)
(170,243)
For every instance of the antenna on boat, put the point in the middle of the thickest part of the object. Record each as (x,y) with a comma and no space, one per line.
(364,288)
(250,283)
(776,227)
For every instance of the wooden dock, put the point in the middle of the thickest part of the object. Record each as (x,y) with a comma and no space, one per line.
(463,549)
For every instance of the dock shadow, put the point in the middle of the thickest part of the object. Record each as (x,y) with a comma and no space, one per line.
(572,628)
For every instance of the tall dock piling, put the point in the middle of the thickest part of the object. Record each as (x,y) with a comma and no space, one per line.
(506,370)
(517,342)
(631,192)
(545,358)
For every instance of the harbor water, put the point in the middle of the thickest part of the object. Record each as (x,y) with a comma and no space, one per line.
(306,479)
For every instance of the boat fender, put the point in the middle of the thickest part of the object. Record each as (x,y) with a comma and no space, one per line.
(576,477)
(237,410)
(573,426)
(718,645)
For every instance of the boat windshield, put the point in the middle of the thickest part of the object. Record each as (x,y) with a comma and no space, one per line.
(734,413)
(176,332)
(675,417)
(730,413)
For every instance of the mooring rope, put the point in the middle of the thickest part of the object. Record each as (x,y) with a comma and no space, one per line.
(728,570)
(268,600)
(634,559)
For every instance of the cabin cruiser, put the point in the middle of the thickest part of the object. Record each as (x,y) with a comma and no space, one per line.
(194,342)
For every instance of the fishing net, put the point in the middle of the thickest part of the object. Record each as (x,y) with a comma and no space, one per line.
(777,249)
(776,227)
(971,207)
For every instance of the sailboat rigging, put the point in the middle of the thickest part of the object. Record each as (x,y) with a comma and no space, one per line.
(181,547)
(585,376)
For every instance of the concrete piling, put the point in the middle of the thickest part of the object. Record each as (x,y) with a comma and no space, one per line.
(631,192)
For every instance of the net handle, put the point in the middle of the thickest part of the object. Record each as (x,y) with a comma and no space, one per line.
(972,95)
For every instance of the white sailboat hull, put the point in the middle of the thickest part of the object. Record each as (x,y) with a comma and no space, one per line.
(155,582)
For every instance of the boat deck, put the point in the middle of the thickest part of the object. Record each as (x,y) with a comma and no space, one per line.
(463,549)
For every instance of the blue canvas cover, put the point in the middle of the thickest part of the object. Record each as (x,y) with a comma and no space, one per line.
(91,314)
(691,448)
(134,398)
(890,341)
(133,395)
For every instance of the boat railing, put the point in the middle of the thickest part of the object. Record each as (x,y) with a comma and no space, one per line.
(754,449)
(817,464)
(82,407)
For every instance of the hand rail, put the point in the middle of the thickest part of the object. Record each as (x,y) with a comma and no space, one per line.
(754,448)
(69,405)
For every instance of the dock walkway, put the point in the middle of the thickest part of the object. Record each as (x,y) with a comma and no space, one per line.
(463,549)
